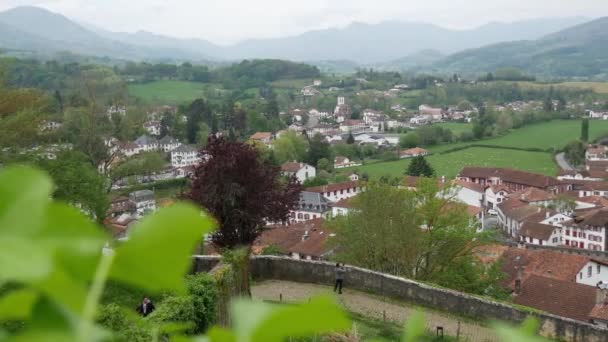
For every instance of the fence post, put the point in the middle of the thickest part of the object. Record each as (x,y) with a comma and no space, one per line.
(458,332)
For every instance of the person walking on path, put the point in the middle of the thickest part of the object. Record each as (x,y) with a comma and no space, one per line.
(339,278)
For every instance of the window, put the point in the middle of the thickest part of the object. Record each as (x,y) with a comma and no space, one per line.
(581,245)
(567,243)
(573,233)
(554,240)
(589,271)
(580,275)
(306,217)
(567,233)
(599,268)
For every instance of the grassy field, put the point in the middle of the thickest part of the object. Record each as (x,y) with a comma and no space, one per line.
(450,164)
(598,87)
(554,134)
(455,127)
(167,92)
(292,83)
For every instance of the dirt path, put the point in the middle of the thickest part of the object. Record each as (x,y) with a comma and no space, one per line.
(372,306)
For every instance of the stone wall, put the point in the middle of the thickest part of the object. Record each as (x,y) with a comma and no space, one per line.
(269,267)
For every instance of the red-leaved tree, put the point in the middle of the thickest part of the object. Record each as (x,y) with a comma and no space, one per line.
(241,190)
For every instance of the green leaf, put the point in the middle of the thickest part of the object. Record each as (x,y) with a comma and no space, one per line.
(24,192)
(23,259)
(216,334)
(157,255)
(414,328)
(17,304)
(247,315)
(320,316)
(64,290)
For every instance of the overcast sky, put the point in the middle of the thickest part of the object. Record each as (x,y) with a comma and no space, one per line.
(227,21)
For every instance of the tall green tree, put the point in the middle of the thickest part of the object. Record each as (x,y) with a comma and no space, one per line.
(289,147)
(585,130)
(78,182)
(318,149)
(419,167)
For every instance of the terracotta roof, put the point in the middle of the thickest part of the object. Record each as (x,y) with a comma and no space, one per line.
(333,187)
(532,195)
(558,297)
(414,151)
(261,136)
(543,263)
(522,212)
(500,187)
(598,201)
(470,185)
(597,164)
(291,239)
(537,230)
(593,186)
(352,123)
(596,218)
(511,176)
(340,159)
(292,167)
(510,204)
(599,311)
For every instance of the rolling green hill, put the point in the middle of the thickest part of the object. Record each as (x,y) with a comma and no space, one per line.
(578,51)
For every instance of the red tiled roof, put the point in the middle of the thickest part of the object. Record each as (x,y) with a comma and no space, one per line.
(291,167)
(558,297)
(599,311)
(532,195)
(470,185)
(333,187)
(414,151)
(596,218)
(261,136)
(537,230)
(291,238)
(511,176)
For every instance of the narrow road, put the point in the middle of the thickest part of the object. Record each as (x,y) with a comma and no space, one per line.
(373,307)
(560,158)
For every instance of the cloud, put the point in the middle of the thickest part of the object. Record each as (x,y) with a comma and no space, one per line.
(226,21)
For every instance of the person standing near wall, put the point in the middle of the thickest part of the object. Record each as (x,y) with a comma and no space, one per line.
(340,270)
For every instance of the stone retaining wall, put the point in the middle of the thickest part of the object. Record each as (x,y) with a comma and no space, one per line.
(278,268)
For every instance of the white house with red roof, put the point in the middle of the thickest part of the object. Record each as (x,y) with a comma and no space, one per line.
(301,171)
(338,191)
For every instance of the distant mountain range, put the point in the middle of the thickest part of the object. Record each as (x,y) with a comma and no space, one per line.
(581,50)
(33,28)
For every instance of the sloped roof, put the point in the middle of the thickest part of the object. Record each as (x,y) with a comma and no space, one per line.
(532,195)
(145,140)
(470,185)
(167,140)
(510,175)
(333,187)
(292,167)
(185,149)
(291,239)
(558,297)
(599,311)
(261,136)
(537,230)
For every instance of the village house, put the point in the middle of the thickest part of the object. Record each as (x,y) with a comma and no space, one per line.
(536,233)
(354,126)
(168,144)
(420,120)
(494,195)
(311,205)
(50,125)
(120,205)
(514,180)
(569,175)
(338,191)
(597,169)
(602,115)
(309,91)
(592,188)
(596,152)
(301,171)
(115,109)
(471,194)
(306,240)
(262,137)
(341,162)
(413,152)
(587,230)
(557,283)
(147,143)
(185,155)
(129,149)
(143,200)
(342,207)
(120,225)
(152,127)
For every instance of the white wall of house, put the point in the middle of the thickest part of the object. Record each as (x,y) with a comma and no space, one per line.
(181,159)
(469,197)
(592,273)
(339,211)
(298,216)
(306,172)
(592,238)
(338,195)
(554,240)
(143,206)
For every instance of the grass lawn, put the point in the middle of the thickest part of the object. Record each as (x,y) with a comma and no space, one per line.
(292,83)
(555,134)
(450,164)
(456,127)
(168,92)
